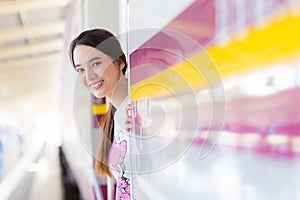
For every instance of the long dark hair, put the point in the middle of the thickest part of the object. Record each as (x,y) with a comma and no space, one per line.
(106,42)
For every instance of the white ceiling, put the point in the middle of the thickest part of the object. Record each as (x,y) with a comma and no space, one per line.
(32,40)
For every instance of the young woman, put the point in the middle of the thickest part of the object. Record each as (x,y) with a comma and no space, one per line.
(98,59)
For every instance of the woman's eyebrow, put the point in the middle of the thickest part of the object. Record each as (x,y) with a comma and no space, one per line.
(89,61)
(92,59)
(78,65)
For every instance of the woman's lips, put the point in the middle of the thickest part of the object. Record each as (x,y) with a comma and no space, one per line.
(97,85)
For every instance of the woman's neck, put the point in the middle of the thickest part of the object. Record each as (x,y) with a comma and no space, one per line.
(120,92)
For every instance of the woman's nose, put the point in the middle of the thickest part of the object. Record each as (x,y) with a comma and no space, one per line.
(91,74)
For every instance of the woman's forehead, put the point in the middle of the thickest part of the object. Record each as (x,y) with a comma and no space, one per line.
(83,53)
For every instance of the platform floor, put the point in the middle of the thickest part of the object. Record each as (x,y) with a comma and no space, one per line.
(224,174)
(43,178)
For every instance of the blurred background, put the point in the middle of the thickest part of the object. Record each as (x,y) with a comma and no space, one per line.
(49,127)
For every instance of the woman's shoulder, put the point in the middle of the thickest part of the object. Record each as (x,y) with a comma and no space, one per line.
(120,114)
(122,108)
(125,102)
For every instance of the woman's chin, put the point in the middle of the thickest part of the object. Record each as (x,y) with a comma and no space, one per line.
(97,95)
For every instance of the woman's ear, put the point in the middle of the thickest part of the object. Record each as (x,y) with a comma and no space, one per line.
(121,64)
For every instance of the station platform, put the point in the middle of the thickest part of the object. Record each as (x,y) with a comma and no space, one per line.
(35,180)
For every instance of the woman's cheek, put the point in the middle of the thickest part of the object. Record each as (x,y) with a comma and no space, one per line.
(83,82)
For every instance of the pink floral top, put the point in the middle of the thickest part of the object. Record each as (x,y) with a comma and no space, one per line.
(118,155)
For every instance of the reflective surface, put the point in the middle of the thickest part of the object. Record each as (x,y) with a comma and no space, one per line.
(233,56)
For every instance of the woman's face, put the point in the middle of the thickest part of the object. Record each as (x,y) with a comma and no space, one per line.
(96,70)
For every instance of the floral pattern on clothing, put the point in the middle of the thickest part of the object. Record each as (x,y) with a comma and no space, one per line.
(123,188)
(116,158)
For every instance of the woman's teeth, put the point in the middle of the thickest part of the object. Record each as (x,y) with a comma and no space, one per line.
(96,85)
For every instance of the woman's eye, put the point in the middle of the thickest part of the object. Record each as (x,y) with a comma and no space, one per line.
(96,64)
(79,70)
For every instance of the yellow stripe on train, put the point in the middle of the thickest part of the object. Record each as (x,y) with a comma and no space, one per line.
(196,72)
(278,42)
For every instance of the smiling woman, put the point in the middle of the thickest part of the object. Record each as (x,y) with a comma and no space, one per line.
(97,71)
(98,59)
